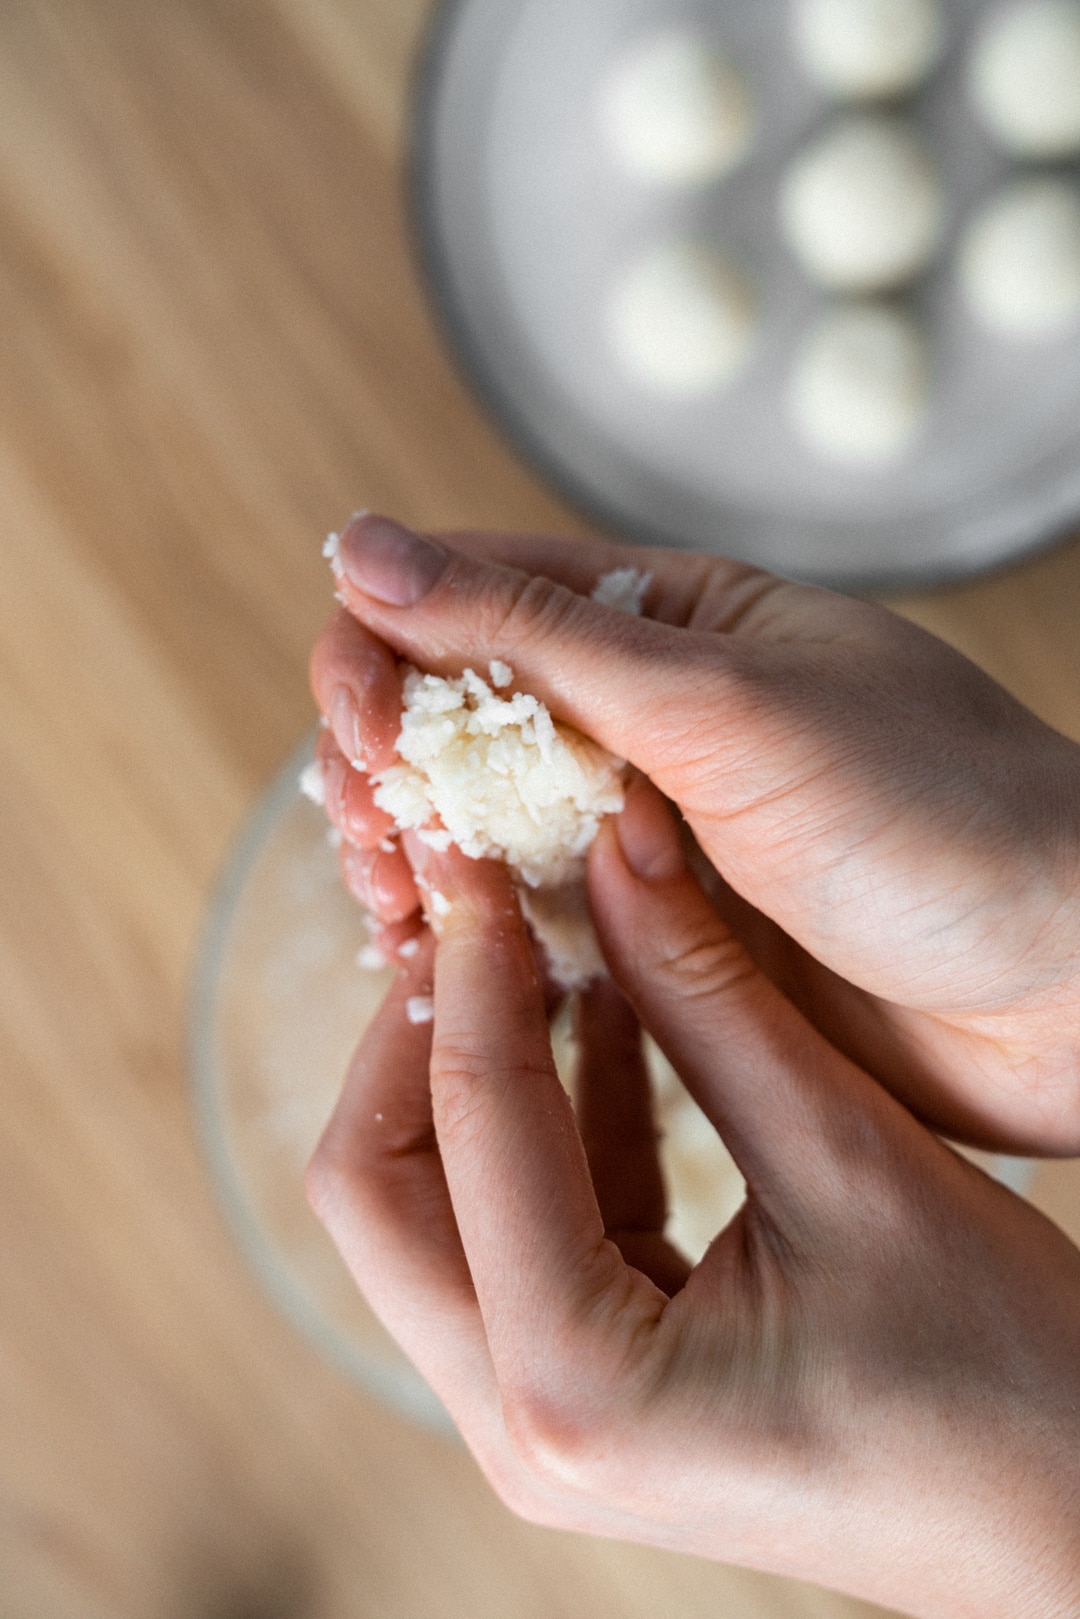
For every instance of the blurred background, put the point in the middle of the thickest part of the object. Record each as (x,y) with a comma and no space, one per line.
(216,344)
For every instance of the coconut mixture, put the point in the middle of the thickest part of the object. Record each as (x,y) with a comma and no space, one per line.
(503,779)
(488,769)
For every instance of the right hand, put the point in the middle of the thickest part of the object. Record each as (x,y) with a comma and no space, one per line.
(872,1379)
(897,840)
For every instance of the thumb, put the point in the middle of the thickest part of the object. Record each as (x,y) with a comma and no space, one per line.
(639,688)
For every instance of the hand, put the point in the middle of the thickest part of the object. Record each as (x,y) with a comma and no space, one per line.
(871,1380)
(899,840)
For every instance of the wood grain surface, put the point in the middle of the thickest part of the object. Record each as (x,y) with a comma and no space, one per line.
(214,346)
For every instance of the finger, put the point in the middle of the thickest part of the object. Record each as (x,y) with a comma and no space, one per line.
(381,880)
(635,685)
(790,1108)
(357,685)
(349,800)
(511,1151)
(613,1096)
(400,941)
(376,1182)
(685,589)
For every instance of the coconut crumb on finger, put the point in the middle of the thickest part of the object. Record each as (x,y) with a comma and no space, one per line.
(624,589)
(420,1009)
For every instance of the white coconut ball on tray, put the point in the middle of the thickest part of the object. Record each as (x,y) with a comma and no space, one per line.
(1024,77)
(863,49)
(674,111)
(862,206)
(681,321)
(860,386)
(1019,262)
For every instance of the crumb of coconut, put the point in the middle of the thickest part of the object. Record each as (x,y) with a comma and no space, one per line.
(623,588)
(371,959)
(387,845)
(408,949)
(436,838)
(312,783)
(330,548)
(334,838)
(420,1009)
(498,777)
(505,780)
(378,1118)
(559,918)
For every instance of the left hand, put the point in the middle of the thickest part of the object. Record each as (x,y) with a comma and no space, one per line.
(893,838)
(871,1380)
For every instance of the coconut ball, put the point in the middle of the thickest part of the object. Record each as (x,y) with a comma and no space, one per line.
(862,207)
(859,388)
(1019,262)
(1025,77)
(673,111)
(501,779)
(506,781)
(681,321)
(860,49)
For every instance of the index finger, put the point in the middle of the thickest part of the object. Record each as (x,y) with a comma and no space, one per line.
(514,1162)
(685,589)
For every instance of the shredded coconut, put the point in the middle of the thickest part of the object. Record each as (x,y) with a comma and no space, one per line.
(559,918)
(330,548)
(312,783)
(408,949)
(371,959)
(436,838)
(623,588)
(497,776)
(502,777)
(420,1009)
(334,838)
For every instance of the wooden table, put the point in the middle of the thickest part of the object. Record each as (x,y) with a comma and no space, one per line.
(214,347)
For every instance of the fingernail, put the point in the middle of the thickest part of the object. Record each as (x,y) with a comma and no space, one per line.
(356,868)
(417,853)
(384,560)
(648,836)
(344,715)
(334,788)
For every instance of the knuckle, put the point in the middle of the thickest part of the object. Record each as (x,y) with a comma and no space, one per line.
(467,1083)
(520,1494)
(703,966)
(560,1443)
(531,609)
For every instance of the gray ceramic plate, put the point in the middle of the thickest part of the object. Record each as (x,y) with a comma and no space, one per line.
(524,220)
